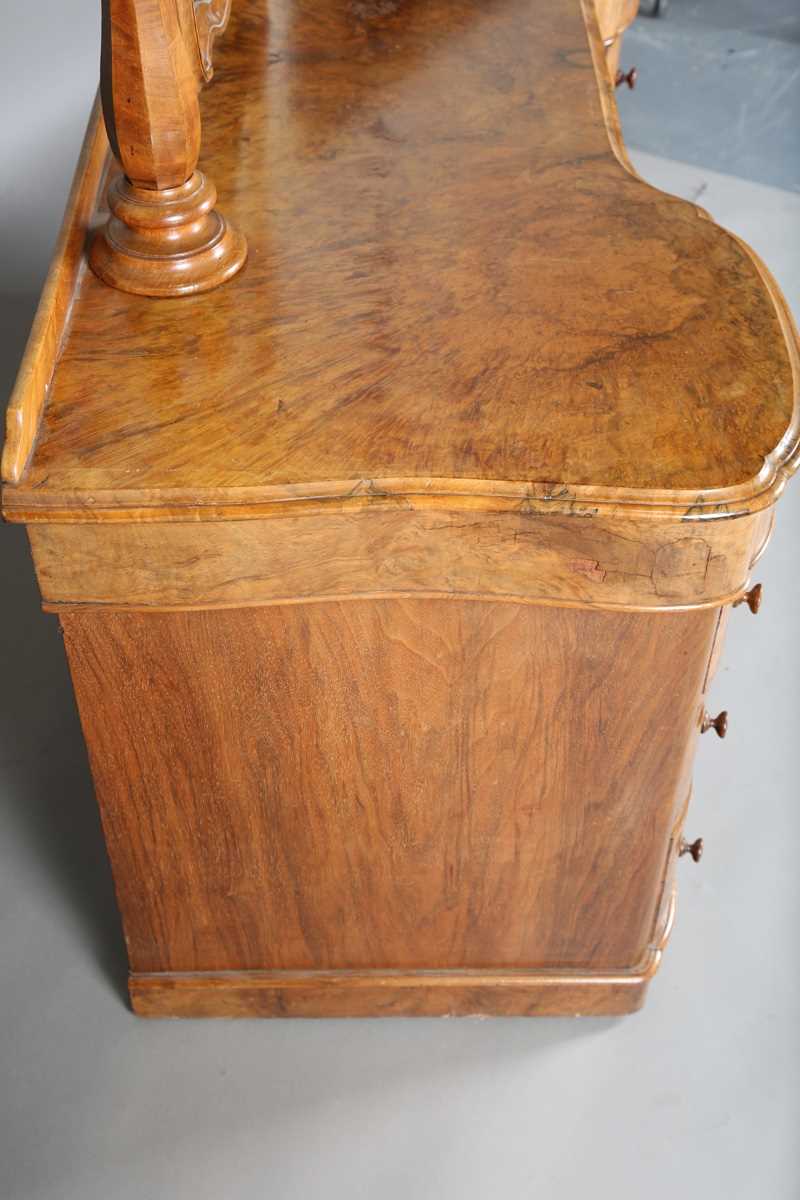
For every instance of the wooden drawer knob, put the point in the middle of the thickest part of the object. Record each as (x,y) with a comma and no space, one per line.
(752,598)
(719,724)
(694,849)
(628,77)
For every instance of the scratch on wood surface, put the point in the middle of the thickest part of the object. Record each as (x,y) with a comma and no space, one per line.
(589,567)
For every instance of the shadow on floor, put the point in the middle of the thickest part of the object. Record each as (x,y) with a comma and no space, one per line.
(46,793)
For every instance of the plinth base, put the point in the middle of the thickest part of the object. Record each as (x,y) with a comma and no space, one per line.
(385,993)
(170,242)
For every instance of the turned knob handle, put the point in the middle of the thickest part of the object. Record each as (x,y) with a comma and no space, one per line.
(752,598)
(628,77)
(719,723)
(694,849)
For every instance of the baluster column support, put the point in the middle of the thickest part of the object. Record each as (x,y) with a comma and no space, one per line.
(164,236)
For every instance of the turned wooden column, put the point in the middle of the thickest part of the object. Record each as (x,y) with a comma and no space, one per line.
(164,236)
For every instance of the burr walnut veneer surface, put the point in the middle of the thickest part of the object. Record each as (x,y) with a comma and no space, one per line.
(451,277)
(393,572)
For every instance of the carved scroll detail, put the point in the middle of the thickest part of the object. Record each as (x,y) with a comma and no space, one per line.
(210,20)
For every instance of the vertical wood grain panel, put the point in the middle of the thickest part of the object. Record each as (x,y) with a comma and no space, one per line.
(396,783)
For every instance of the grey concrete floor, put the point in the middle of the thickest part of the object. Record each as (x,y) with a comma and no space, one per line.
(696,1096)
(719,87)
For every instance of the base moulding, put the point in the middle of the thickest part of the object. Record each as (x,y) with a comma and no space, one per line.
(391,993)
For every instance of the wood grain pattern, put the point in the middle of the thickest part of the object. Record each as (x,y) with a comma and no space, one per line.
(432,194)
(588,561)
(389,994)
(427,393)
(477,786)
(164,236)
(149,85)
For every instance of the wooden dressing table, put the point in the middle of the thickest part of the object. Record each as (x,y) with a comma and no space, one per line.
(394,526)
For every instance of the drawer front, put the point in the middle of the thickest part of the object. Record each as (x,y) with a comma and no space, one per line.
(614,16)
(613,48)
(717,648)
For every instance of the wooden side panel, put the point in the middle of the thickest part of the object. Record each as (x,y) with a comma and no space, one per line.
(396,784)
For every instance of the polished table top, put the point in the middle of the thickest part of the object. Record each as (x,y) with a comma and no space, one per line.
(454,283)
